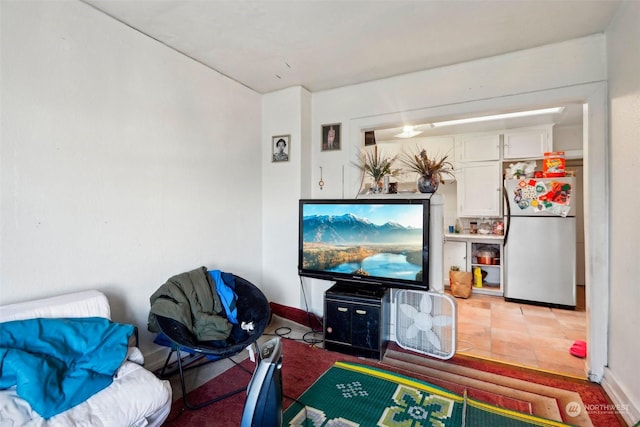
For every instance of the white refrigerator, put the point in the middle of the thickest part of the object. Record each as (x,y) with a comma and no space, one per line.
(540,241)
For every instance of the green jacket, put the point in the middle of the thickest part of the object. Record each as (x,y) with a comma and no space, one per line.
(191,299)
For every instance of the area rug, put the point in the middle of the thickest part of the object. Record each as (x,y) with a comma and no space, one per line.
(304,363)
(351,394)
(546,401)
(574,401)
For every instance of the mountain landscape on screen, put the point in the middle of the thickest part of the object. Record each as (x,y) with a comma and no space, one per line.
(354,245)
(348,229)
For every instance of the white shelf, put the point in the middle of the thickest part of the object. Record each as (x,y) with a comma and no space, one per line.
(473,237)
(495,275)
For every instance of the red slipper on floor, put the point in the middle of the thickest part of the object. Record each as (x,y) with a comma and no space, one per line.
(579,349)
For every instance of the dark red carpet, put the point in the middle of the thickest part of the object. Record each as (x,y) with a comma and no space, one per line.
(303,364)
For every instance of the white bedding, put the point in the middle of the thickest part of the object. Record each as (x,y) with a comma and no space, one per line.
(135,398)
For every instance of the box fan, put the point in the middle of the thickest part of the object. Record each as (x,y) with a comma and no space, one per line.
(425,322)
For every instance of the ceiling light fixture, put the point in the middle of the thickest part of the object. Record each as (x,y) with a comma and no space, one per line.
(408,132)
(498,117)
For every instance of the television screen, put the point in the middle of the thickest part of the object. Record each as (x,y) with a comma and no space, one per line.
(365,241)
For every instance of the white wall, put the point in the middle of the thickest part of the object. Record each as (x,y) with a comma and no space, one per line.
(122,162)
(285,112)
(623,51)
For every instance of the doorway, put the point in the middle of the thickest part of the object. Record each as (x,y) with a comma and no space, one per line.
(596,185)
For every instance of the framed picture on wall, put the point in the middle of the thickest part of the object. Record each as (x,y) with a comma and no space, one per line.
(280,145)
(331,136)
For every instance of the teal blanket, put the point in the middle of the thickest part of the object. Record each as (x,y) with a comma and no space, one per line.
(56,364)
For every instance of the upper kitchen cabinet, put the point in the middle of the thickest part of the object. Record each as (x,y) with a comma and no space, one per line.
(479,189)
(527,143)
(477,147)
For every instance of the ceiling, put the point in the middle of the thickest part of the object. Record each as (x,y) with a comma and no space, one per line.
(269,45)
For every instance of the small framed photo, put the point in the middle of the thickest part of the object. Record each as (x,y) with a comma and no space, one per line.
(280,147)
(331,136)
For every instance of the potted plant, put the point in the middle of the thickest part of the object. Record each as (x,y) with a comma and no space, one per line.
(430,169)
(373,163)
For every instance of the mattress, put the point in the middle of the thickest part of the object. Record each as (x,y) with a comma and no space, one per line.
(135,398)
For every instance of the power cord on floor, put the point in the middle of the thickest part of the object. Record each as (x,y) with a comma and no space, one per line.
(305,337)
(468,348)
(306,306)
(309,337)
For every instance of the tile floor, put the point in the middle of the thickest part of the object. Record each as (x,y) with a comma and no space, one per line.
(524,334)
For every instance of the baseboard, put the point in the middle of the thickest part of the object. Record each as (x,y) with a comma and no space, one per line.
(628,409)
(297,315)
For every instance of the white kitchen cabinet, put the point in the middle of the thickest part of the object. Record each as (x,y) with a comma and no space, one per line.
(455,253)
(479,190)
(477,147)
(462,250)
(527,143)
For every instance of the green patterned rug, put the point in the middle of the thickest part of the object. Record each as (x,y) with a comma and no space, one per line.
(350,394)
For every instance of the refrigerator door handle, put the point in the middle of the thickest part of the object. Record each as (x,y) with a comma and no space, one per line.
(508,214)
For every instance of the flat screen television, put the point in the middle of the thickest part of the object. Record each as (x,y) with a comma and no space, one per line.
(365,242)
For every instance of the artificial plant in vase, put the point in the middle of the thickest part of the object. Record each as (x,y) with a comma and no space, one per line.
(430,169)
(373,163)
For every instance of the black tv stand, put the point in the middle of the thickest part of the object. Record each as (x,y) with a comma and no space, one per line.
(355,319)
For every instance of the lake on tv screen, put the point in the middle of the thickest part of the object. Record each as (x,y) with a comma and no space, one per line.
(394,266)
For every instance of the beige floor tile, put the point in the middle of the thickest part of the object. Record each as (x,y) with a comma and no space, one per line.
(551,343)
(471,314)
(505,323)
(572,321)
(549,331)
(528,335)
(536,310)
(557,357)
(576,368)
(474,337)
(521,350)
(510,315)
(478,302)
(485,354)
(576,334)
(508,335)
(541,320)
(471,344)
(530,362)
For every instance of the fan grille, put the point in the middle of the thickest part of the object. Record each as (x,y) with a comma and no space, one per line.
(426,323)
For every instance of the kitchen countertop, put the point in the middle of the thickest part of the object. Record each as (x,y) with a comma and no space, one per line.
(468,236)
